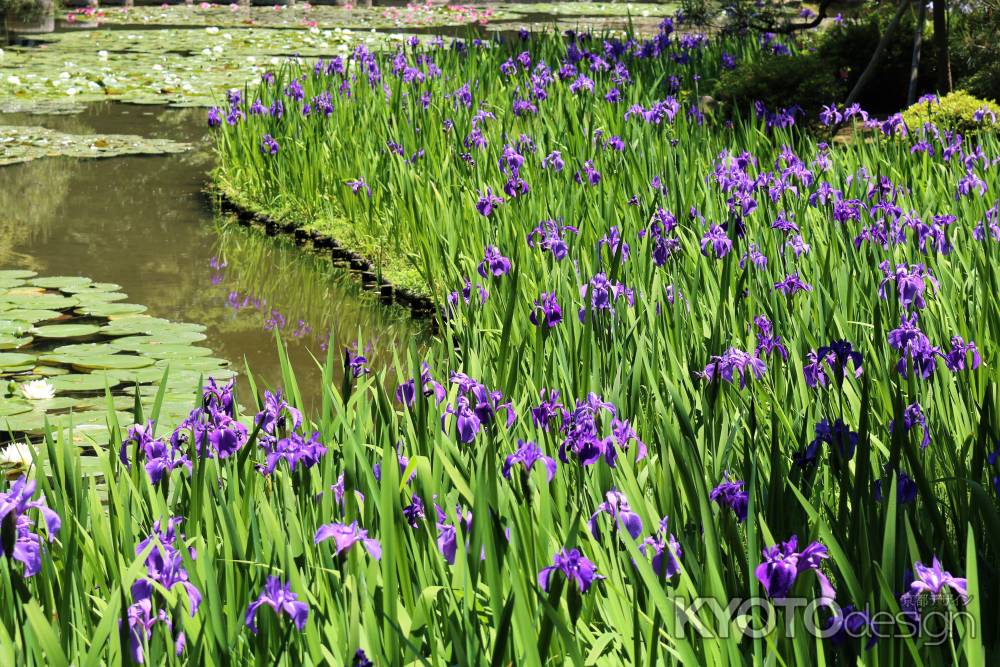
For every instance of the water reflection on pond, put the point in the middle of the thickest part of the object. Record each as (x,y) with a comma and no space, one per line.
(144,223)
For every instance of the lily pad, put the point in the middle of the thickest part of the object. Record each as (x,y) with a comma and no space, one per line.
(43,301)
(17,273)
(29,315)
(83,382)
(110,362)
(9,342)
(66,330)
(59,282)
(111,309)
(23,144)
(87,348)
(10,360)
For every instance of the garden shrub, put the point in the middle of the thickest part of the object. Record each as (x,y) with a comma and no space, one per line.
(955,111)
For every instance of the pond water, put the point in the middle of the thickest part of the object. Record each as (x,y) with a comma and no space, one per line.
(145,223)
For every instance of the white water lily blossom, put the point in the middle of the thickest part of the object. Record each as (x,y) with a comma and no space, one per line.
(38,390)
(16,459)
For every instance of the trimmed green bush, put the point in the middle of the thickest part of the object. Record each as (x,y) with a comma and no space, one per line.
(955,111)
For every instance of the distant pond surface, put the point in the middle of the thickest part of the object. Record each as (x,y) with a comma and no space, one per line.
(145,223)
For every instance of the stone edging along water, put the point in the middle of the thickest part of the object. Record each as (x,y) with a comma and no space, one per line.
(420,305)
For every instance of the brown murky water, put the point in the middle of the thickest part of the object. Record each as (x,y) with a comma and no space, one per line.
(144,223)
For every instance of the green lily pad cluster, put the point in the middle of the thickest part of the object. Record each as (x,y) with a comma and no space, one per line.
(65,342)
(176,66)
(23,144)
(303,15)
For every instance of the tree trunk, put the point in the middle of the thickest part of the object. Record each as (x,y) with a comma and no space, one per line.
(873,63)
(941,46)
(918,38)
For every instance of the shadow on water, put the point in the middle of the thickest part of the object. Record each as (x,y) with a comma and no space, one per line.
(144,222)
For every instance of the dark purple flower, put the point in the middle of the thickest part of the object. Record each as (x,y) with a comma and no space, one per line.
(548,236)
(494,264)
(792,284)
(406,392)
(913,416)
(574,566)
(554,161)
(20,541)
(294,449)
(528,454)
(281,599)
(214,117)
(346,536)
(161,458)
(613,241)
(911,283)
(732,364)
(357,363)
(616,506)
(546,310)
(272,416)
(767,342)
(487,203)
(730,493)
(268,145)
(783,564)
(582,431)
(838,436)
(546,412)
(220,398)
(906,488)
(957,359)
(832,358)
(666,551)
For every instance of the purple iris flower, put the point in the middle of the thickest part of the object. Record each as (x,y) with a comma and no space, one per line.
(214,117)
(593,177)
(716,238)
(732,364)
(767,342)
(603,294)
(838,436)
(832,358)
(553,161)
(272,416)
(359,184)
(221,398)
(574,566)
(487,203)
(546,412)
(346,536)
(613,241)
(913,416)
(406,392)
(447,539)
(295,450)
(906,488)
(792,284)
(21,542)
(357,363)
(494,264)
(783,564)
(475,407)
(546,310)
(957,359)
(414,512)
(268,145)
(616,506)
(281,599)
(935,581)
(582,434)
(361,659)
(403,461)
(730,493)
(161,458)
(911,283)
(666,551)
(548,236)
(528,454)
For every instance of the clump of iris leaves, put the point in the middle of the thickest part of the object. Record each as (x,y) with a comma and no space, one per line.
(681,357)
